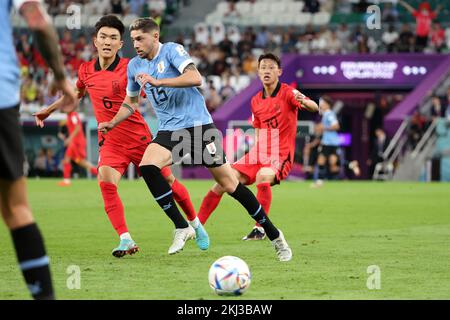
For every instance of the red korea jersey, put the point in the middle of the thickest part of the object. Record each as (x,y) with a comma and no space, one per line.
(107,90)
(276,117)
(73,121)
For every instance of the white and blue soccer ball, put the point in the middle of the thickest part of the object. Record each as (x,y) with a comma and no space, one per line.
(229,276)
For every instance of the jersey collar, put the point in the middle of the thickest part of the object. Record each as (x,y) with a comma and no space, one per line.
(111,67)
(274,93)
(159,50)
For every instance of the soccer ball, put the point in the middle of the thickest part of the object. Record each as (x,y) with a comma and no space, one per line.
(229,276)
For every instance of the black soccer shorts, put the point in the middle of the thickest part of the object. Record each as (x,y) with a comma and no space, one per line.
(12,157)
(202,143)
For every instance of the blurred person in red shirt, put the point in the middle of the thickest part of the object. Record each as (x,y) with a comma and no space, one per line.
(424,17)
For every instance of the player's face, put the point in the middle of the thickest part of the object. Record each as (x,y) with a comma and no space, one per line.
(268,71)
(108,42)
(145,43)
(323,105)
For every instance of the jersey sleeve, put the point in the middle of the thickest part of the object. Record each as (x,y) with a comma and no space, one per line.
(256,122)
(331,119)
(133,87)
(178,57)
(80,82)
(19,3)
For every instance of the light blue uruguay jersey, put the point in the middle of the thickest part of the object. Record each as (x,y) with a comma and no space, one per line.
(9,67)
(176,108)
(329,138)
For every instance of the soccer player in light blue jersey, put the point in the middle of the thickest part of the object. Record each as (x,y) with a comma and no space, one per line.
(16,212)
(168,76)
(328,160)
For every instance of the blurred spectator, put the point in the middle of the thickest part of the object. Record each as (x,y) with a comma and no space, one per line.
(360,6)
(40,163)
(424,17)
(234,34)
(201,33)
(406,39)
(343,34)
(416,129)
(334,45)
(217,33)
(379,146)
(436,107)
(262,38)
(232,14)
(390,13)
(312,6)
(212,97)
(437,36)
(136,7)
(227,91)
(29,90)
(390,38)
(250,64)
(118,7)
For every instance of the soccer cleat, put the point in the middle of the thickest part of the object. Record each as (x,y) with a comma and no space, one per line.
(201,237)
(64,183)
(180,236)
(256,234)
(126,246)
(284,253)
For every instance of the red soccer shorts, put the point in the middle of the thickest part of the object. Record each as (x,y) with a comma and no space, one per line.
(119,158)
(249,167)
(76,153)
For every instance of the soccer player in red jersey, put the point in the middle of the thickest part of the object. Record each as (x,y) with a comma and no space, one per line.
(274,117)
(105,79)
(76,148)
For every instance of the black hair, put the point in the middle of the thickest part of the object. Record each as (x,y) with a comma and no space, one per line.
(110,21)
(144,24)
(270,56)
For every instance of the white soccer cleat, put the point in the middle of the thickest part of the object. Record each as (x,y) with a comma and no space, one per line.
(180,236)
(284,253)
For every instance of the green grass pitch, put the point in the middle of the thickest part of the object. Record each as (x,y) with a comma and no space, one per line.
(336,232)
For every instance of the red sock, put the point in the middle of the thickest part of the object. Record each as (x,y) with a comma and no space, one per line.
(113,207)
(264,196)
(181,196)
(209,204)
(67,170)
(94,171)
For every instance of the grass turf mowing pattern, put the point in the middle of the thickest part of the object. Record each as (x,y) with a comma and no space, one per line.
(335,233)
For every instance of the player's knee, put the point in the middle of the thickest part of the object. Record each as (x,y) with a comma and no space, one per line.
(17,215)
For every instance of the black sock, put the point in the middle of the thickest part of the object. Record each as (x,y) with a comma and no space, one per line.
(162,193)
(254,208)
(33,261)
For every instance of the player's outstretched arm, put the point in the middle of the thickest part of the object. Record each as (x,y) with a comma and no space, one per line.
(128,107)
(47,41)
(44,113)
(306,103)
(189,78)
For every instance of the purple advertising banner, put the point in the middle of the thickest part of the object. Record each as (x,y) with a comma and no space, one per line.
(357,71)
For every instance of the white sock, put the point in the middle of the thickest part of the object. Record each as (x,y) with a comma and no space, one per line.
(195,223)
(125,235)
(66,180)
